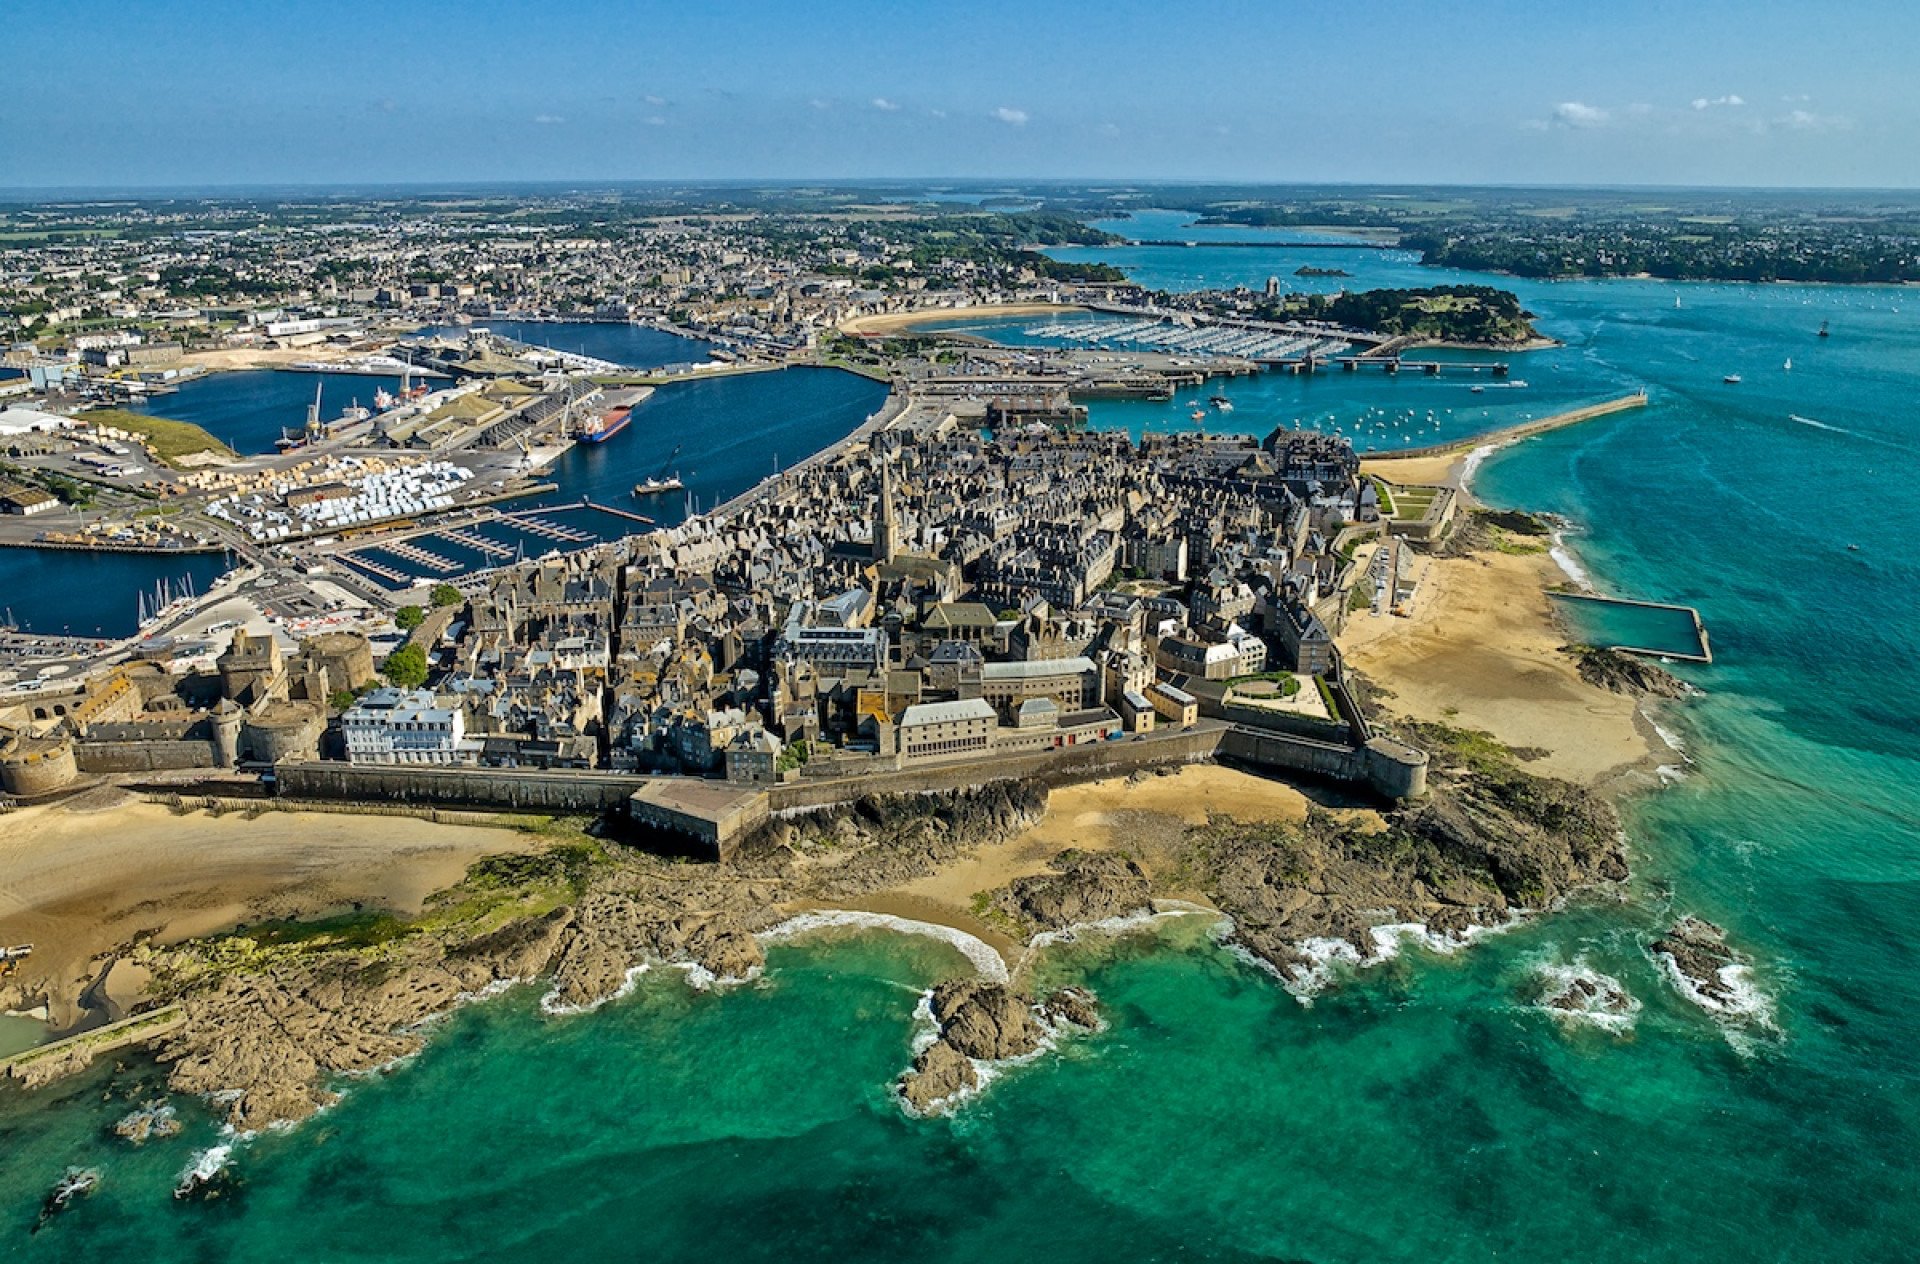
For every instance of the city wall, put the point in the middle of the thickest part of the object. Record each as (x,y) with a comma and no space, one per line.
(521,789)
(153,756)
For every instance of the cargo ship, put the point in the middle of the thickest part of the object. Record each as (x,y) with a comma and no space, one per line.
(604,427)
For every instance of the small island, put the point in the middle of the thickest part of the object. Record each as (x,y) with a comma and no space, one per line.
(1308,270)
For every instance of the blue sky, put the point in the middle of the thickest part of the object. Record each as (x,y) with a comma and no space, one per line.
(206,92)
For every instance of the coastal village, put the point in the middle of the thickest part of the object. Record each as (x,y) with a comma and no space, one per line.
(848,673)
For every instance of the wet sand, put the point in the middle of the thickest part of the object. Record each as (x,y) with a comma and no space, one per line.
(79,882)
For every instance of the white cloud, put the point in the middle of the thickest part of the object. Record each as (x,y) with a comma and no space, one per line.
(938,113)
(820,103)
(654,120)
(1578,114)
(1005,114)
(1808,121)
(881,103)
(653,100)
(548,120)
(1709,103)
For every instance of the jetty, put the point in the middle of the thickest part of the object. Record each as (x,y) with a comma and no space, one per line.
(1512,434)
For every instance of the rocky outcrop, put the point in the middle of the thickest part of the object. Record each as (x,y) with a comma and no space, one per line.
(1626,673)
(884,840)
(268,1041)
(1081,887)
(154,1121)
(1697,951)
(986,1022)
(1488,841)
(940,1073)
(989,1021)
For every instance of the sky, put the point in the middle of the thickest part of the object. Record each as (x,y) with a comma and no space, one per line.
(202,93)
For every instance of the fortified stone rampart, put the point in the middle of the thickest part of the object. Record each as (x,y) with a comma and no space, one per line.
(143,756)
(525,789)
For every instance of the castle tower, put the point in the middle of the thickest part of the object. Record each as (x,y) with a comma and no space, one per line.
(226,720)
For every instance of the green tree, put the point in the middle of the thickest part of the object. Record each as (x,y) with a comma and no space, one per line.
(407,666)
(407,618)
(446,595)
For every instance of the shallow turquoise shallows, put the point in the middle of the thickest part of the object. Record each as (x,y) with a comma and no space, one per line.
(1425,1109)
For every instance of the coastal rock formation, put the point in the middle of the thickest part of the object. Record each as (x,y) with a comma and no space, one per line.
(1488,841)
(986,1022)
(940,1072)
(989,1021)
(1082,887)
(1708,970)
(884,840)
(1627,673)
(155,1120)
(266,1041)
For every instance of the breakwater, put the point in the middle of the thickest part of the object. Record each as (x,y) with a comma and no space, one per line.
(1513,434)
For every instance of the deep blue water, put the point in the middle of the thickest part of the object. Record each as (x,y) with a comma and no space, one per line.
(250,409)
(730,432)
(60,593)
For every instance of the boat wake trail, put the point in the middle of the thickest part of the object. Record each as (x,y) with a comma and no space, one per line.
(1820,425)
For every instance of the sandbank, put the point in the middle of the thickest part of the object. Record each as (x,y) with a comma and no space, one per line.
(79,882)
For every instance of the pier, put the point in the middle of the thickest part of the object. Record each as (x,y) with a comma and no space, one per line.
(1432,368)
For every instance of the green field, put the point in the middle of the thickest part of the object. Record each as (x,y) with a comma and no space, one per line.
(169,439)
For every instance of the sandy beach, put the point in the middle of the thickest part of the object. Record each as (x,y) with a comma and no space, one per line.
(894,322)
(78,882)
(1481,650)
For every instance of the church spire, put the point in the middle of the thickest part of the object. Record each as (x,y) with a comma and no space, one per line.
(886,539)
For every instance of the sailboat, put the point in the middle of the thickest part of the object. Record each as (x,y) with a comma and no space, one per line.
(1823,330)
(1789,364)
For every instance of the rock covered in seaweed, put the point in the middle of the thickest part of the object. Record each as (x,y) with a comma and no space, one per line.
(1627,673)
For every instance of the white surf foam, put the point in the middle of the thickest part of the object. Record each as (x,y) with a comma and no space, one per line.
(204,1166)
(1745,1001)
(1564,558)
(1473,461)
(1556,978)
(1818,425)
(1123,924)
(554,1007)
(1671,738)
(988,963)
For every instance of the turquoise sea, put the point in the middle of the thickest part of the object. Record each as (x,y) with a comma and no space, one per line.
(1425,1109)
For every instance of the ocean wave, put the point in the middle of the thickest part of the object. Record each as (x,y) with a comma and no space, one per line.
(1473,462)
(1569,564)
(554,1007)
(1326,957)
(1670,773)
(987,962)
(1576,995)
(204,1168)
(1745,1004)
(1122,924)
(1671,738)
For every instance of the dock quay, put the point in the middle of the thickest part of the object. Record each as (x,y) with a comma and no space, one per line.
(548,530)
(1432,368)
(422,557)
(478,543)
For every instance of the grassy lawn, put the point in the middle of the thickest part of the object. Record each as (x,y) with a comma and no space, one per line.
(170,440)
